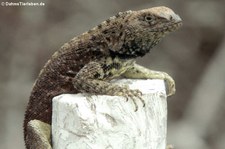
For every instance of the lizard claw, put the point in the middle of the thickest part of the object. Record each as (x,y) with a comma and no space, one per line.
(133,95)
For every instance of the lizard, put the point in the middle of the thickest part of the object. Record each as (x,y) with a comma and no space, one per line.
(88,62)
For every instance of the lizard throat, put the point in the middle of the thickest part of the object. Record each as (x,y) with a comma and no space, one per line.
(133,49)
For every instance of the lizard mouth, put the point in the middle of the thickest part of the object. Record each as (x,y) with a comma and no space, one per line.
(174,26)
(169,27)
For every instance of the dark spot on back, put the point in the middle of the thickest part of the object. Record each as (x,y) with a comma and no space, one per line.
(110,74)
(97,75)
(108,39)
(100,26)
(121,33)
(105,32)
(81,65)
(93,38)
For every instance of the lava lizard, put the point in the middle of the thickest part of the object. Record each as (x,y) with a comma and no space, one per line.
(89,61)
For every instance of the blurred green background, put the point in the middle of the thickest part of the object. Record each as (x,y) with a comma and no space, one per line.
(194,56)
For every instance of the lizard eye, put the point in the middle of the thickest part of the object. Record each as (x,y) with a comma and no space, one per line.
(148,18)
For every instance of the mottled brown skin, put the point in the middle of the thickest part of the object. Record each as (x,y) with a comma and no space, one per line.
(88,62)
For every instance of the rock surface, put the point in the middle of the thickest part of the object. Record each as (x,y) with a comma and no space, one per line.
(109,122)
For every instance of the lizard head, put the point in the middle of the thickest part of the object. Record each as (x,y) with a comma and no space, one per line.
(145,28)
(159,20)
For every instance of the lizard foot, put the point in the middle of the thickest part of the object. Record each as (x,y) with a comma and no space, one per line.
(38,135)
(134,95)
(170,83)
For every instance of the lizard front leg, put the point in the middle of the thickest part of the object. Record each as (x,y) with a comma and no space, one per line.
(92,78)
(140,72)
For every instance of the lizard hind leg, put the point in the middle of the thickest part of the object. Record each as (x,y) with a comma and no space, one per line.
(91,79)
(38,135)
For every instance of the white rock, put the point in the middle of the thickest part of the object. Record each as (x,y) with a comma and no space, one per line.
(83,121)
